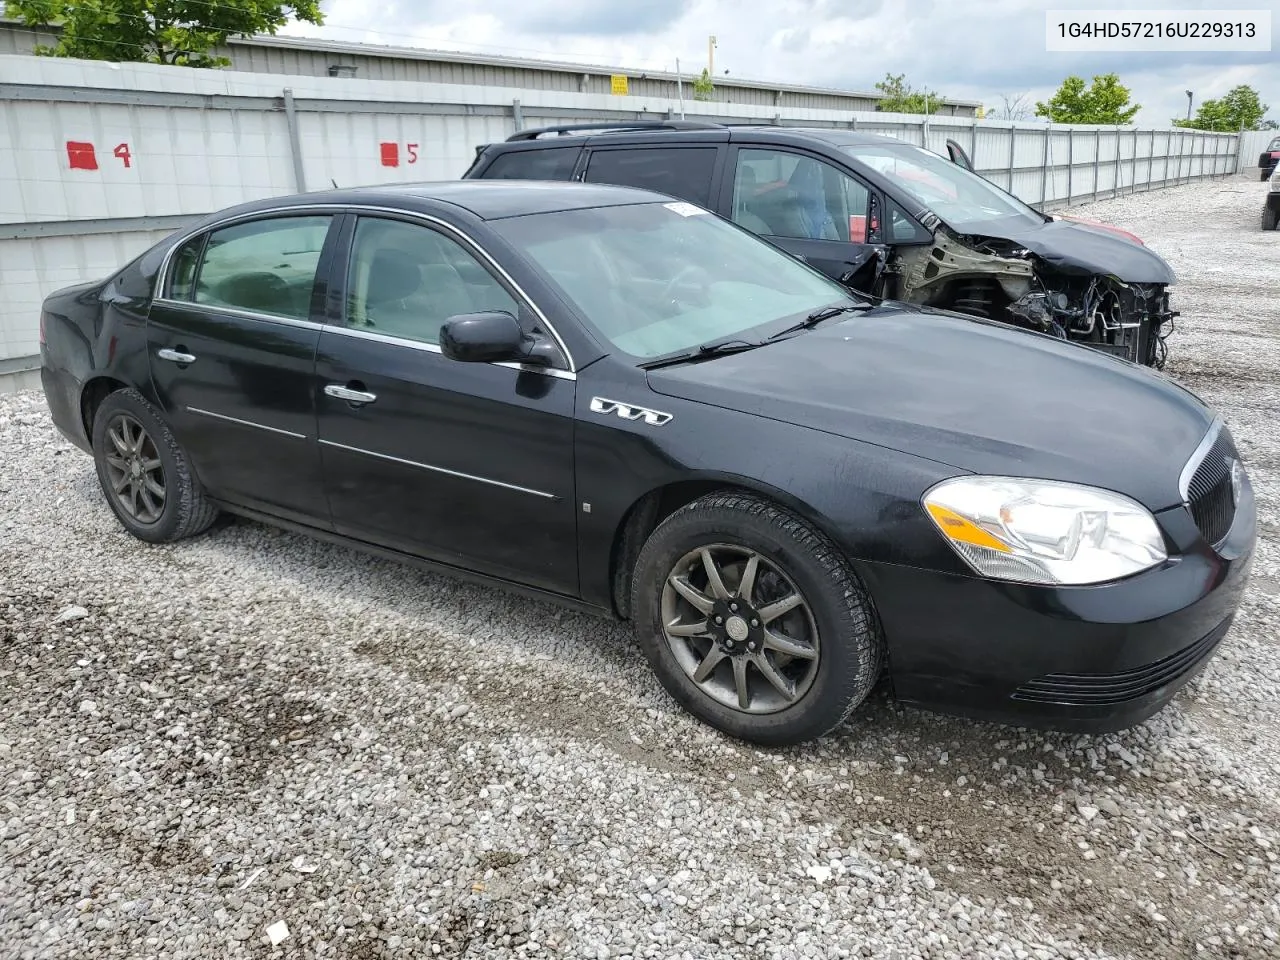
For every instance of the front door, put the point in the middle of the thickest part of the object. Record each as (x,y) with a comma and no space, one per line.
(469,464)
(232,352)
(808,207)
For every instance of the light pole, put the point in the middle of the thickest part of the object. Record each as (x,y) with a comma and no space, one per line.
(1188,104)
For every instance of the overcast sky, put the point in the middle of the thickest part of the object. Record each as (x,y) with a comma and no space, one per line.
(967,49)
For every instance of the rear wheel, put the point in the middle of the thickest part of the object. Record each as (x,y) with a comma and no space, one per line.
(1269,218)
(753,620)
(144,472)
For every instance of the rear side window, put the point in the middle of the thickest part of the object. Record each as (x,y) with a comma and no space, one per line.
(266,266)
(184,268)
(550,163)
(681,172)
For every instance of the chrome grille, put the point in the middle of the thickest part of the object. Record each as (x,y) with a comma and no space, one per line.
(1208,490)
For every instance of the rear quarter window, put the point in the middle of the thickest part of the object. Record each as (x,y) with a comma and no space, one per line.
(550,163)
(683,172)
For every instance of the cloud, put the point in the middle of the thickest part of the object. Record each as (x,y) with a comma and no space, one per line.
(965,49)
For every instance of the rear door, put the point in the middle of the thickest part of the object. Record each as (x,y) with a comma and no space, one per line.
(807,206)
(232,346)
(690,171)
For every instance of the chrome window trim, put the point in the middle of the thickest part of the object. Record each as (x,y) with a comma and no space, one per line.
(245,423)
(239,312)
(435,348)
(435,469)
(1198,455)
(162,275)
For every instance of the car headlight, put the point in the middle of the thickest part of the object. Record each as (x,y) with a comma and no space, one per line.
(1044,531)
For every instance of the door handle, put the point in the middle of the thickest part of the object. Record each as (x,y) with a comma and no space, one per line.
(351,396)
(177,356)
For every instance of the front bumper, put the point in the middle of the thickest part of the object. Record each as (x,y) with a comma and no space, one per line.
(1091,659)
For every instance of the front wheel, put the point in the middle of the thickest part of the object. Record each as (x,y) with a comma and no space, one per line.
(753,621)
(144,472)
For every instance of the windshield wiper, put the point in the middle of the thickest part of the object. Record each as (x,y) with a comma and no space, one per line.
(706,350)
(825,313)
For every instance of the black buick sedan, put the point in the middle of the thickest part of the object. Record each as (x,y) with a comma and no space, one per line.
(609,398)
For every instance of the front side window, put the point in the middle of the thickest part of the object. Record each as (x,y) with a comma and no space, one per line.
(264,266)
(657,278)
(406,280)
(961,198)
(683,172)
(782,194)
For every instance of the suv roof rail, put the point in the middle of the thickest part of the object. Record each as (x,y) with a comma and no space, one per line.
(656,125)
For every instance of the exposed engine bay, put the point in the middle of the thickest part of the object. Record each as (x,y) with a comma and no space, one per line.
(1002,280)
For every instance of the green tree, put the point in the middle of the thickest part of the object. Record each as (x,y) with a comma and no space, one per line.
(178,32)
(703,87)
(1240,109)
(1104,101)
(898,96)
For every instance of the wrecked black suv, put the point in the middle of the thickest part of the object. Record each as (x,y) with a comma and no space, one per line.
(881,216)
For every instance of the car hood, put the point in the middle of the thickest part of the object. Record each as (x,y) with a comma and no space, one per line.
(1075,247)
(969,393)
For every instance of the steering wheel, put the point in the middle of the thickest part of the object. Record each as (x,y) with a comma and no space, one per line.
(685,273)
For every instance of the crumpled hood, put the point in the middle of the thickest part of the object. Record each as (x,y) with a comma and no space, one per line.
(973,394)
(1080,248)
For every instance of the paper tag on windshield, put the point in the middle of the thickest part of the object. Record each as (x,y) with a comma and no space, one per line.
(685,209)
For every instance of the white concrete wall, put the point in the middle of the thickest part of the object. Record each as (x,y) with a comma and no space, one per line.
(201,140)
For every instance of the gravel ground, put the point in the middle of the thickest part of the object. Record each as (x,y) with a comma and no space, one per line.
(202,741)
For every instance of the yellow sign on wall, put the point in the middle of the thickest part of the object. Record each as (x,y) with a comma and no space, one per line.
(619,85)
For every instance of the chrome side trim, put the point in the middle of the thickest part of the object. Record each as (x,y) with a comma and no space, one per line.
(1193,462)
(237,312)
(434,469)
(246,423)
(355,206)
(628,411)
(435,348)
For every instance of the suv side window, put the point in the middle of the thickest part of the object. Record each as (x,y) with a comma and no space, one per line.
(546,163)
(683,172)
(782,194)
(406,280)
(267,266)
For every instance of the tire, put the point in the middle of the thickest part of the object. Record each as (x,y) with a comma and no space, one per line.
(1269,218)
(182,511)
(791,556)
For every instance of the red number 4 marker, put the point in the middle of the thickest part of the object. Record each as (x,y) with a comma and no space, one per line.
(122,151)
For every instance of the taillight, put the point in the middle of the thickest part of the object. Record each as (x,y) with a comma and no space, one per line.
(43,316)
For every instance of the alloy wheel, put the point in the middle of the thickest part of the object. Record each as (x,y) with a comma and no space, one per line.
(740,628)
(134,470)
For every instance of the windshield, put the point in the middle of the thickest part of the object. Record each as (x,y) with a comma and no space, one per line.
(659,278)
(964,200)
(1274,144)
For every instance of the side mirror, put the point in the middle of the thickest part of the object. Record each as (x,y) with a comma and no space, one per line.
(493,337)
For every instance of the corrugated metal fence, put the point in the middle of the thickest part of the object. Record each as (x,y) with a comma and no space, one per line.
(98,161)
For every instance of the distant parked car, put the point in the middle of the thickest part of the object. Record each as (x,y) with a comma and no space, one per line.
(881,216)
(615,400)
(1269,158)
(1271,206)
